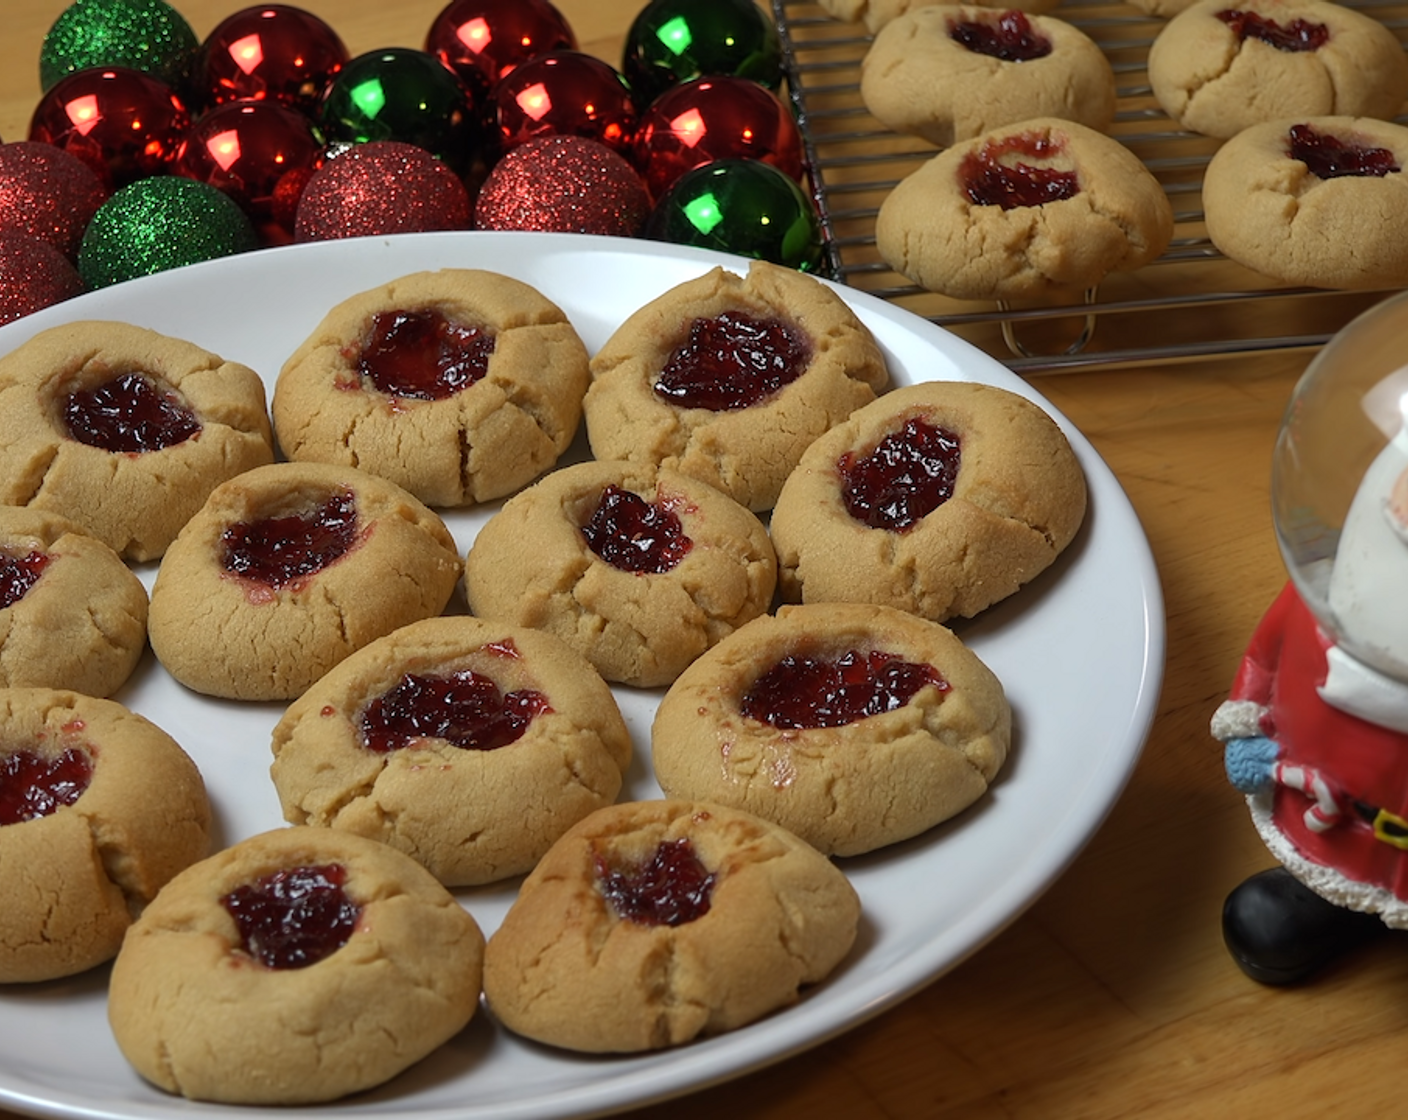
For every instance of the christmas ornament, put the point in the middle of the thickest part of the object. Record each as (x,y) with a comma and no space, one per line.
(563,184)
(403,95)
(381,187)
(482,40)
(674,41)
(566,93)
(122,123)
(146,35)
(161,223)
(47,192)
(740,206)
(706,119)
(257,152)
(273,52)
(33,275)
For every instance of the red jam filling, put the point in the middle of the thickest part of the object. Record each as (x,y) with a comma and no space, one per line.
(18,574)
(1011,37)
(634,535)
(1328,157)
(991,177)
(806,692)
(423,355)
(463,708)
(908,475)
(670,890)
(128,414)
(32,786)
(1298,35)
(278,551)
(733,361)
(294,918)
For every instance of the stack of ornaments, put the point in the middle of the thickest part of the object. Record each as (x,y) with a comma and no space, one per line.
(150,149)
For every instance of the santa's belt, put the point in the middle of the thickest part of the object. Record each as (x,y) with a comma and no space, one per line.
(1388,827)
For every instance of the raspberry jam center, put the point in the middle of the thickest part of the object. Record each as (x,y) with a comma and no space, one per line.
(908,475)
(733,361)
(1011,37)
(128,414)
(32,786)
(464,708)
(423,355)
(807,692)
(1328,157)
(18,574)
(998,174)
(673,888)
(279,551)
(634,535)
(1298,35)
(295,917)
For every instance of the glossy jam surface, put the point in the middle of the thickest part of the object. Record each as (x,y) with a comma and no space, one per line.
(909,475)
(33,786)
(279,551)
(18,574)
(1011,37)
(1298,35)
(733,361)
(807,692)
(1329,157)
(294,918)
(634,535)
(423,355)
(463,708)
(673,888)
(998,173)
(128,414)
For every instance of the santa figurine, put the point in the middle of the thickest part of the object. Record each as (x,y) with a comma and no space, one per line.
(1316,726)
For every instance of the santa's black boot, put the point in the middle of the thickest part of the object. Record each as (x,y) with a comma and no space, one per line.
(1279,931)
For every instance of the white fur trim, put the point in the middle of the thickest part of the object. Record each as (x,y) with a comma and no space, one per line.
(1353,687)
(1237,719)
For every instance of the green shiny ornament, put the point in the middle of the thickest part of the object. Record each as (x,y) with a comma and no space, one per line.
(404,95)
(744,207)
(673,41)
(155,224)
(146,35)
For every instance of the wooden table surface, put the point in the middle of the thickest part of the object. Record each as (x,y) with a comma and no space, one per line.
(1112,995)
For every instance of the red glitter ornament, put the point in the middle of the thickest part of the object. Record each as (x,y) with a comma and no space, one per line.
(256,152)
(271,52)
(566,93)
(124,124)
(483,40)
(699,121)
(46,192)
(378,188)
(33,275)
(563,184)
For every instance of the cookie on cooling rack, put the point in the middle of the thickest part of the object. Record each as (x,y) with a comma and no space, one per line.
(877,13)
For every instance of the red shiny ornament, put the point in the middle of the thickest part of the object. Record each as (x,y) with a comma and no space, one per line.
(124,124)
(566,93)
(379,188)
(483,40)
(46,192)
(33,275)
(256,152)
(563,184)
(697,122)
(271,52)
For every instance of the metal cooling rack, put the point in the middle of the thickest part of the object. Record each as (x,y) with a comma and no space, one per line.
(1191,303)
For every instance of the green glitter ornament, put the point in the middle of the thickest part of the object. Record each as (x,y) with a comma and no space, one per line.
(155,224)
(744,207)
(673,41)
(146,35)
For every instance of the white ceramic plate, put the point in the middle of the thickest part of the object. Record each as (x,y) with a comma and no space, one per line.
(1080,651)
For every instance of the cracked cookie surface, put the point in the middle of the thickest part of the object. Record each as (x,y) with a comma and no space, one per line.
(877,13)
(768,916)
(846,788)
(365,389)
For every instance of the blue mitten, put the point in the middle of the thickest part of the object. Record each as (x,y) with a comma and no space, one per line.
(1251,762)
